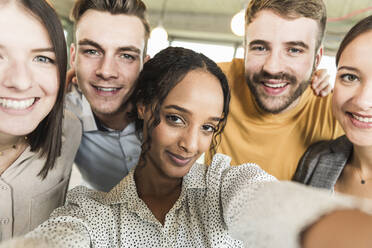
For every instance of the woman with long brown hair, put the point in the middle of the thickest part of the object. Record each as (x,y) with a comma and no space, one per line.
(36,152)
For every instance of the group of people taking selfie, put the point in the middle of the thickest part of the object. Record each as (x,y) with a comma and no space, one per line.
(287,162)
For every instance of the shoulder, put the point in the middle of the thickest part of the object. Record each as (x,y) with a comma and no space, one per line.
(233,68)
(310,160)
(221,170)
(74,101)
(72,129)
(321,153)
(85,198)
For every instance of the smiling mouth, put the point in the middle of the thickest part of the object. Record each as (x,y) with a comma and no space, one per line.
(179,160)
(107,89)
(275,86)
(367,120)
(17,104)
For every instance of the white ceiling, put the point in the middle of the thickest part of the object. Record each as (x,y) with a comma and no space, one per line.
(210,19)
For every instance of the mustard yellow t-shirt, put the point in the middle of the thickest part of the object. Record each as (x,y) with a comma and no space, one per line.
(275,142)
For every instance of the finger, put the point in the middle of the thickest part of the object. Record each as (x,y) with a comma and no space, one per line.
(70,76)
(318,77)
(323,83)
(326,91)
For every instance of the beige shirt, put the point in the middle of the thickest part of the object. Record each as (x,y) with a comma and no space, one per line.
(25,199)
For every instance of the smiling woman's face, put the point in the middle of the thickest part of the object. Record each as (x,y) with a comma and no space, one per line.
(28,73)
(189,116)
(352,99)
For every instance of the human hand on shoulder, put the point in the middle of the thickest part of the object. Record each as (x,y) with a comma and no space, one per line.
(320,83)
(70,78)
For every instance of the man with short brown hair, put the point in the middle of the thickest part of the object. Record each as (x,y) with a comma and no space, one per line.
(107,57)
(274,115)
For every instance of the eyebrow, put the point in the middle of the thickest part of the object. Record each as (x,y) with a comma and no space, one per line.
(87,42)
(289,43)
(217,119)
(258,42)
(348,68)
(47,49)
(38,50)
(297,43)
(130,48)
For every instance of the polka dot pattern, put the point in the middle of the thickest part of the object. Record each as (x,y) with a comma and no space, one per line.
(201,217)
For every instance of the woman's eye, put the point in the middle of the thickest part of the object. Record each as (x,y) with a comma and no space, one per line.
(43,59)
(209,128)
(349,77)
(174,119)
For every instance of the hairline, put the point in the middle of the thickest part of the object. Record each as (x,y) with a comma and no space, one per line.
(320,34)
(145,38)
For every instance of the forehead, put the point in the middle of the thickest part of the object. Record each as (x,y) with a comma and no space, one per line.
(271,27)
(358,52)
(17,23)
(200,92)
(111,30)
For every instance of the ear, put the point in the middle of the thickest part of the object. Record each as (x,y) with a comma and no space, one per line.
(318,56)
(141,109)
(72,55)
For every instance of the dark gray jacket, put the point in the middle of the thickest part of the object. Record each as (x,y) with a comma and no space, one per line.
(322,163)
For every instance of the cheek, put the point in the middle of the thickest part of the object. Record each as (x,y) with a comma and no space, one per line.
(85,68)
(163,136)
(48,82)
(303,68)
(130,72)
(253,63)
(339,99)
(205,142)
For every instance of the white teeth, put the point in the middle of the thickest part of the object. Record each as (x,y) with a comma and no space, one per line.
(106,89)
(275,85)
(363,119)
(16,104)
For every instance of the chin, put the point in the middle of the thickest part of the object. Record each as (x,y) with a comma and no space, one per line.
(361,140)
(177,172)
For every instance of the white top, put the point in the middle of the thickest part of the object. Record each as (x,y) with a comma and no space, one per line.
(105,156)
(121,219)
(214,202)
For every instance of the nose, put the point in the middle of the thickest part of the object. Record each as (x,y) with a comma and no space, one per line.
(363,98)
(274,63)
(188,141)
(107,68)
(18,76)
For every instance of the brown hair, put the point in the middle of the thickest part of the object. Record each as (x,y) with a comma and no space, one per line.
(47,137)
(313,9)
(127,7)
(363,26)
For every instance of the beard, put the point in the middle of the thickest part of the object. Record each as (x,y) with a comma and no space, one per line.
(278,103)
